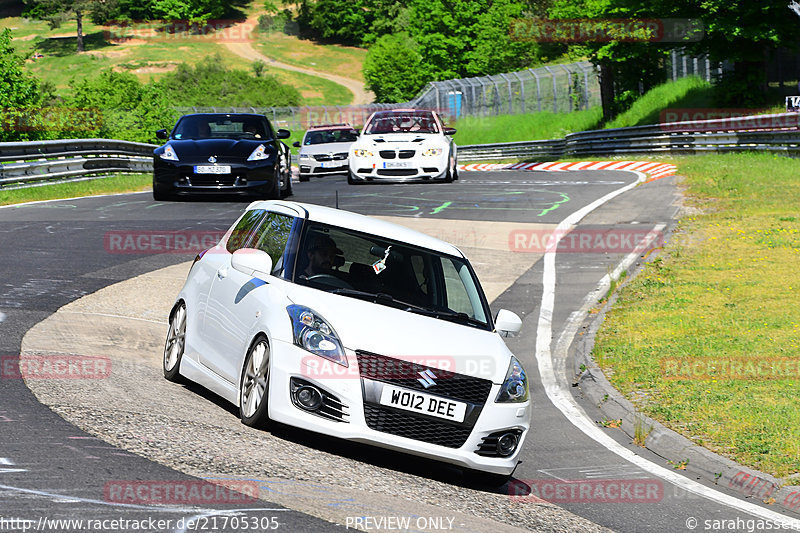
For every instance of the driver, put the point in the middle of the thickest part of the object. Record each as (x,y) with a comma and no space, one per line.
(321,253)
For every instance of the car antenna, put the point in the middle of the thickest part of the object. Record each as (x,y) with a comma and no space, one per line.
(337,198)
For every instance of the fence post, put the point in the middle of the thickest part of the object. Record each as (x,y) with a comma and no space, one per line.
(510,97)
(538,89)
(521,92)
(555,90)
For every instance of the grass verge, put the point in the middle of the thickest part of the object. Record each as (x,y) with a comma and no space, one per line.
(527,127)
(724,291)
(114,184)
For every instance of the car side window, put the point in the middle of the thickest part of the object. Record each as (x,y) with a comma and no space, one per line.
(272,236)
(244,230)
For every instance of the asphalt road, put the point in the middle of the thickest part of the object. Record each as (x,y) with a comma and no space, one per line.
(54,253)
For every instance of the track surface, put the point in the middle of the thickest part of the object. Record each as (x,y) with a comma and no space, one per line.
(54,253)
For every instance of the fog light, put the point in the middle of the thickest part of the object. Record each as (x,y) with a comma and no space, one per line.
(506,444)
(310,398)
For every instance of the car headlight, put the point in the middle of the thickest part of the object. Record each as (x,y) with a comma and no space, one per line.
(305,156)
(314,334)
(169,154)
(259,153)
(432,152)
(361,152)
(515,386)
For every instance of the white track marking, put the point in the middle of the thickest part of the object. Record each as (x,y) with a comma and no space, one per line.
(2,316)
(562,399)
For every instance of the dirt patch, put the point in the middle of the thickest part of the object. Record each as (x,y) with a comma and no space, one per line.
(27,37)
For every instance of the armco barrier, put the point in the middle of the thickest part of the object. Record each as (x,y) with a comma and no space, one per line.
(49,160)
(778,133)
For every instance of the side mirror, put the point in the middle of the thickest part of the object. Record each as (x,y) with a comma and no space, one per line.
(252,262)
(507,323)
(449,131)
(283,134)
(296,144)
(162,134)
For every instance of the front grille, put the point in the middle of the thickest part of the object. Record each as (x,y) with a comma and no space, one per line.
(212,180)
(388,154)
(407,154)
(405,374)
(397,171)
(413,427)
(341,156)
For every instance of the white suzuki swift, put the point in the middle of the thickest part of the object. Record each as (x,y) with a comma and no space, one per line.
(356,328)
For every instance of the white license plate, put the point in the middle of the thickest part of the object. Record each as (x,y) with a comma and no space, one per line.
(396,164)
(332,164)
(212,169)
(419,402)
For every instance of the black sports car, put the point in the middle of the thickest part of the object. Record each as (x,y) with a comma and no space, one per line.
(222,153)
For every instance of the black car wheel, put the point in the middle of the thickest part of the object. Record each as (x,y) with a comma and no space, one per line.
(288,190)
(160,193)
(272,191)
(351,179)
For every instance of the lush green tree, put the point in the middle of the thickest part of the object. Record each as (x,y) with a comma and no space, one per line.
(56,12)
(394,68)
(210,83)
(343,21)
(19,93)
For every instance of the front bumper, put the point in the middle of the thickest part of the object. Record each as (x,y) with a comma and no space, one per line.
(418,168)
(311,167)
(349,389)
(248,177)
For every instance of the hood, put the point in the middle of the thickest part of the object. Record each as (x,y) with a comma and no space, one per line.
(376,328)
(218,147)
(327,148)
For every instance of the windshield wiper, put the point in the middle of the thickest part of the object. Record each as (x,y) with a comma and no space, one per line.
(378,297)
(453,316)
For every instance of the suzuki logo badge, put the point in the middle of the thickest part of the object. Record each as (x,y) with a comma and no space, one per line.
(427,379)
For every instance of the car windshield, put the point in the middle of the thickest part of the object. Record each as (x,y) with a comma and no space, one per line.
(330,136)
(390,273)
(222,126)
(396,122)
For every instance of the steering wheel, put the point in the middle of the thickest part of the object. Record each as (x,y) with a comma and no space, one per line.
(330,279)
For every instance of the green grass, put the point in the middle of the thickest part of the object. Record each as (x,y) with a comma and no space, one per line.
(113,184)
(726,287)
(528,127)
(151,58)
(685,93)
(343,61)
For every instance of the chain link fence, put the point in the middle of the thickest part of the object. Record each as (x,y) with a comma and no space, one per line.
(559,89)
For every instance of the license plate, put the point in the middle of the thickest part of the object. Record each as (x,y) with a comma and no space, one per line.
(419,402)
(212,169)
(331,164)
(396,164)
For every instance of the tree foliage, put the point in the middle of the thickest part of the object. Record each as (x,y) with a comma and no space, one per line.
(19,92)
(394,68)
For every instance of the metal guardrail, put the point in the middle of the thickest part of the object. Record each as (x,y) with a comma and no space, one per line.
(780,133)
(22,162)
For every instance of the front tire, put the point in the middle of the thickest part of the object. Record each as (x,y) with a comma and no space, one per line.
(288,191)
(254,387)
(175,344)
(352,180)
(273,191)
(160,194)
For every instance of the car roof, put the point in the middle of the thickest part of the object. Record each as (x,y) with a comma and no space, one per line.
(365,224)
(259,115)
(330,127)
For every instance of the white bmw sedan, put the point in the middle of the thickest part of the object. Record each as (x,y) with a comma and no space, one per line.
(403,145)
(356,328)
